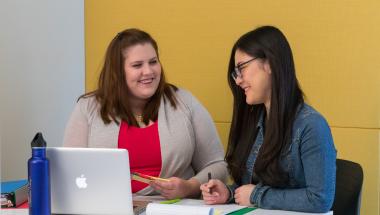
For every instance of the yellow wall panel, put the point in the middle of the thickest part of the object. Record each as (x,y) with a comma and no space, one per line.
(335,47)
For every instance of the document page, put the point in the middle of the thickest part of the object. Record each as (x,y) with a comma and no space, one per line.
(220,209)
(191,207)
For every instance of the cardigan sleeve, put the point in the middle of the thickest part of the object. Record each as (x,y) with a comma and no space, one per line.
(208,153)
(77,128)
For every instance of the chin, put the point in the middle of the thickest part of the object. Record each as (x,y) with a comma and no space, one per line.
(252,101)
(148,94)
(249,101)
(148,89)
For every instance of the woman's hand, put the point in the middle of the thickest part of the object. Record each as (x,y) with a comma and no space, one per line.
(243,194)
(176,187)
(215,192)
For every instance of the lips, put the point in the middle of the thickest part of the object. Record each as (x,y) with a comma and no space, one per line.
(146,81)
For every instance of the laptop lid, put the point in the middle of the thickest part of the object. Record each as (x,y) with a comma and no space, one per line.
(90,181)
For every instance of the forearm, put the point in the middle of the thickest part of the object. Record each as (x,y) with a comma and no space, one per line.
(193,188)
(302,199)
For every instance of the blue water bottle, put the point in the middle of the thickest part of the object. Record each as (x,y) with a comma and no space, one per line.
(38,176)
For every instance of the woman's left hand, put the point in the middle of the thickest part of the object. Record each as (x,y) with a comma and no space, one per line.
(176,187)
(243,194)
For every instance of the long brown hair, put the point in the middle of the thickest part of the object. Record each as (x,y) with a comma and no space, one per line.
(268,43)
(112,91)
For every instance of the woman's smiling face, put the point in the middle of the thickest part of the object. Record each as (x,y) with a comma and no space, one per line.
(255,78)
(142,71)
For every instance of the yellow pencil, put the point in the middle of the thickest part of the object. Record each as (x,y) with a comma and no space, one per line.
(146,178)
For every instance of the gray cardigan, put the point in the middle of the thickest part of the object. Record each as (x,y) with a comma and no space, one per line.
(190,145)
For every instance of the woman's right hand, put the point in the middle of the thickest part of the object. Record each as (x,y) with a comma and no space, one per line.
(215,192)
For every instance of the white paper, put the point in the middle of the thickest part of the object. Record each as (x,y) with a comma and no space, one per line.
(219,209)
(173,209)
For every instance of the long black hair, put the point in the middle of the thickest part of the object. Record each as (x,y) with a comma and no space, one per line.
(270,44)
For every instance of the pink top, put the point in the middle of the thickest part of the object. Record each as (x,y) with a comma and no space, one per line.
(143,145)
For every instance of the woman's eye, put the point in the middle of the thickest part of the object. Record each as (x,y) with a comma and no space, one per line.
(137,65)
(242,68)
(153,62)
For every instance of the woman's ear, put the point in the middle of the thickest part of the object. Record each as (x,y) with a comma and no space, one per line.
(267,67)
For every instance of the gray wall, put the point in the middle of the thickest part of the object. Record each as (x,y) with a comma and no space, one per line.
(41,75)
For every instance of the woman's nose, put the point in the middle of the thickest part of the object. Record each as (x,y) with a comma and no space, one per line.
(147,70)
(238,80)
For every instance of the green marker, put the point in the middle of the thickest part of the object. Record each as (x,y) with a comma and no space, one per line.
(242,211)
(171,201)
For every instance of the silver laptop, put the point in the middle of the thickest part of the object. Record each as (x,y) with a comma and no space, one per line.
(90,181)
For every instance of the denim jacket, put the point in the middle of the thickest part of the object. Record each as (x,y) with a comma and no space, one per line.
(309,162)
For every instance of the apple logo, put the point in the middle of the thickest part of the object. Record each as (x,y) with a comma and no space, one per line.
(81,182)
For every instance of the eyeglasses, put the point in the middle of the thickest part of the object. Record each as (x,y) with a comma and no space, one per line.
(237,73)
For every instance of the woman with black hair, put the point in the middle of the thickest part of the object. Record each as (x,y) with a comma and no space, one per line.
(280,153)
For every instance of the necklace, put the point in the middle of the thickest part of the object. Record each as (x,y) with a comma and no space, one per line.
(139,118)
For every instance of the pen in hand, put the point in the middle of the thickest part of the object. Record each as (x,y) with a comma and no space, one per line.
(209,178)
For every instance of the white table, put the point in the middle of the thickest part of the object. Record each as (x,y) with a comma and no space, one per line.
(255,212)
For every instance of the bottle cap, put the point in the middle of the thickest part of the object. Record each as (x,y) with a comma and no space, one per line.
(38,140)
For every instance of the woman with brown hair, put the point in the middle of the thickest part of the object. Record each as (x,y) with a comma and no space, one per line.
(166,131)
